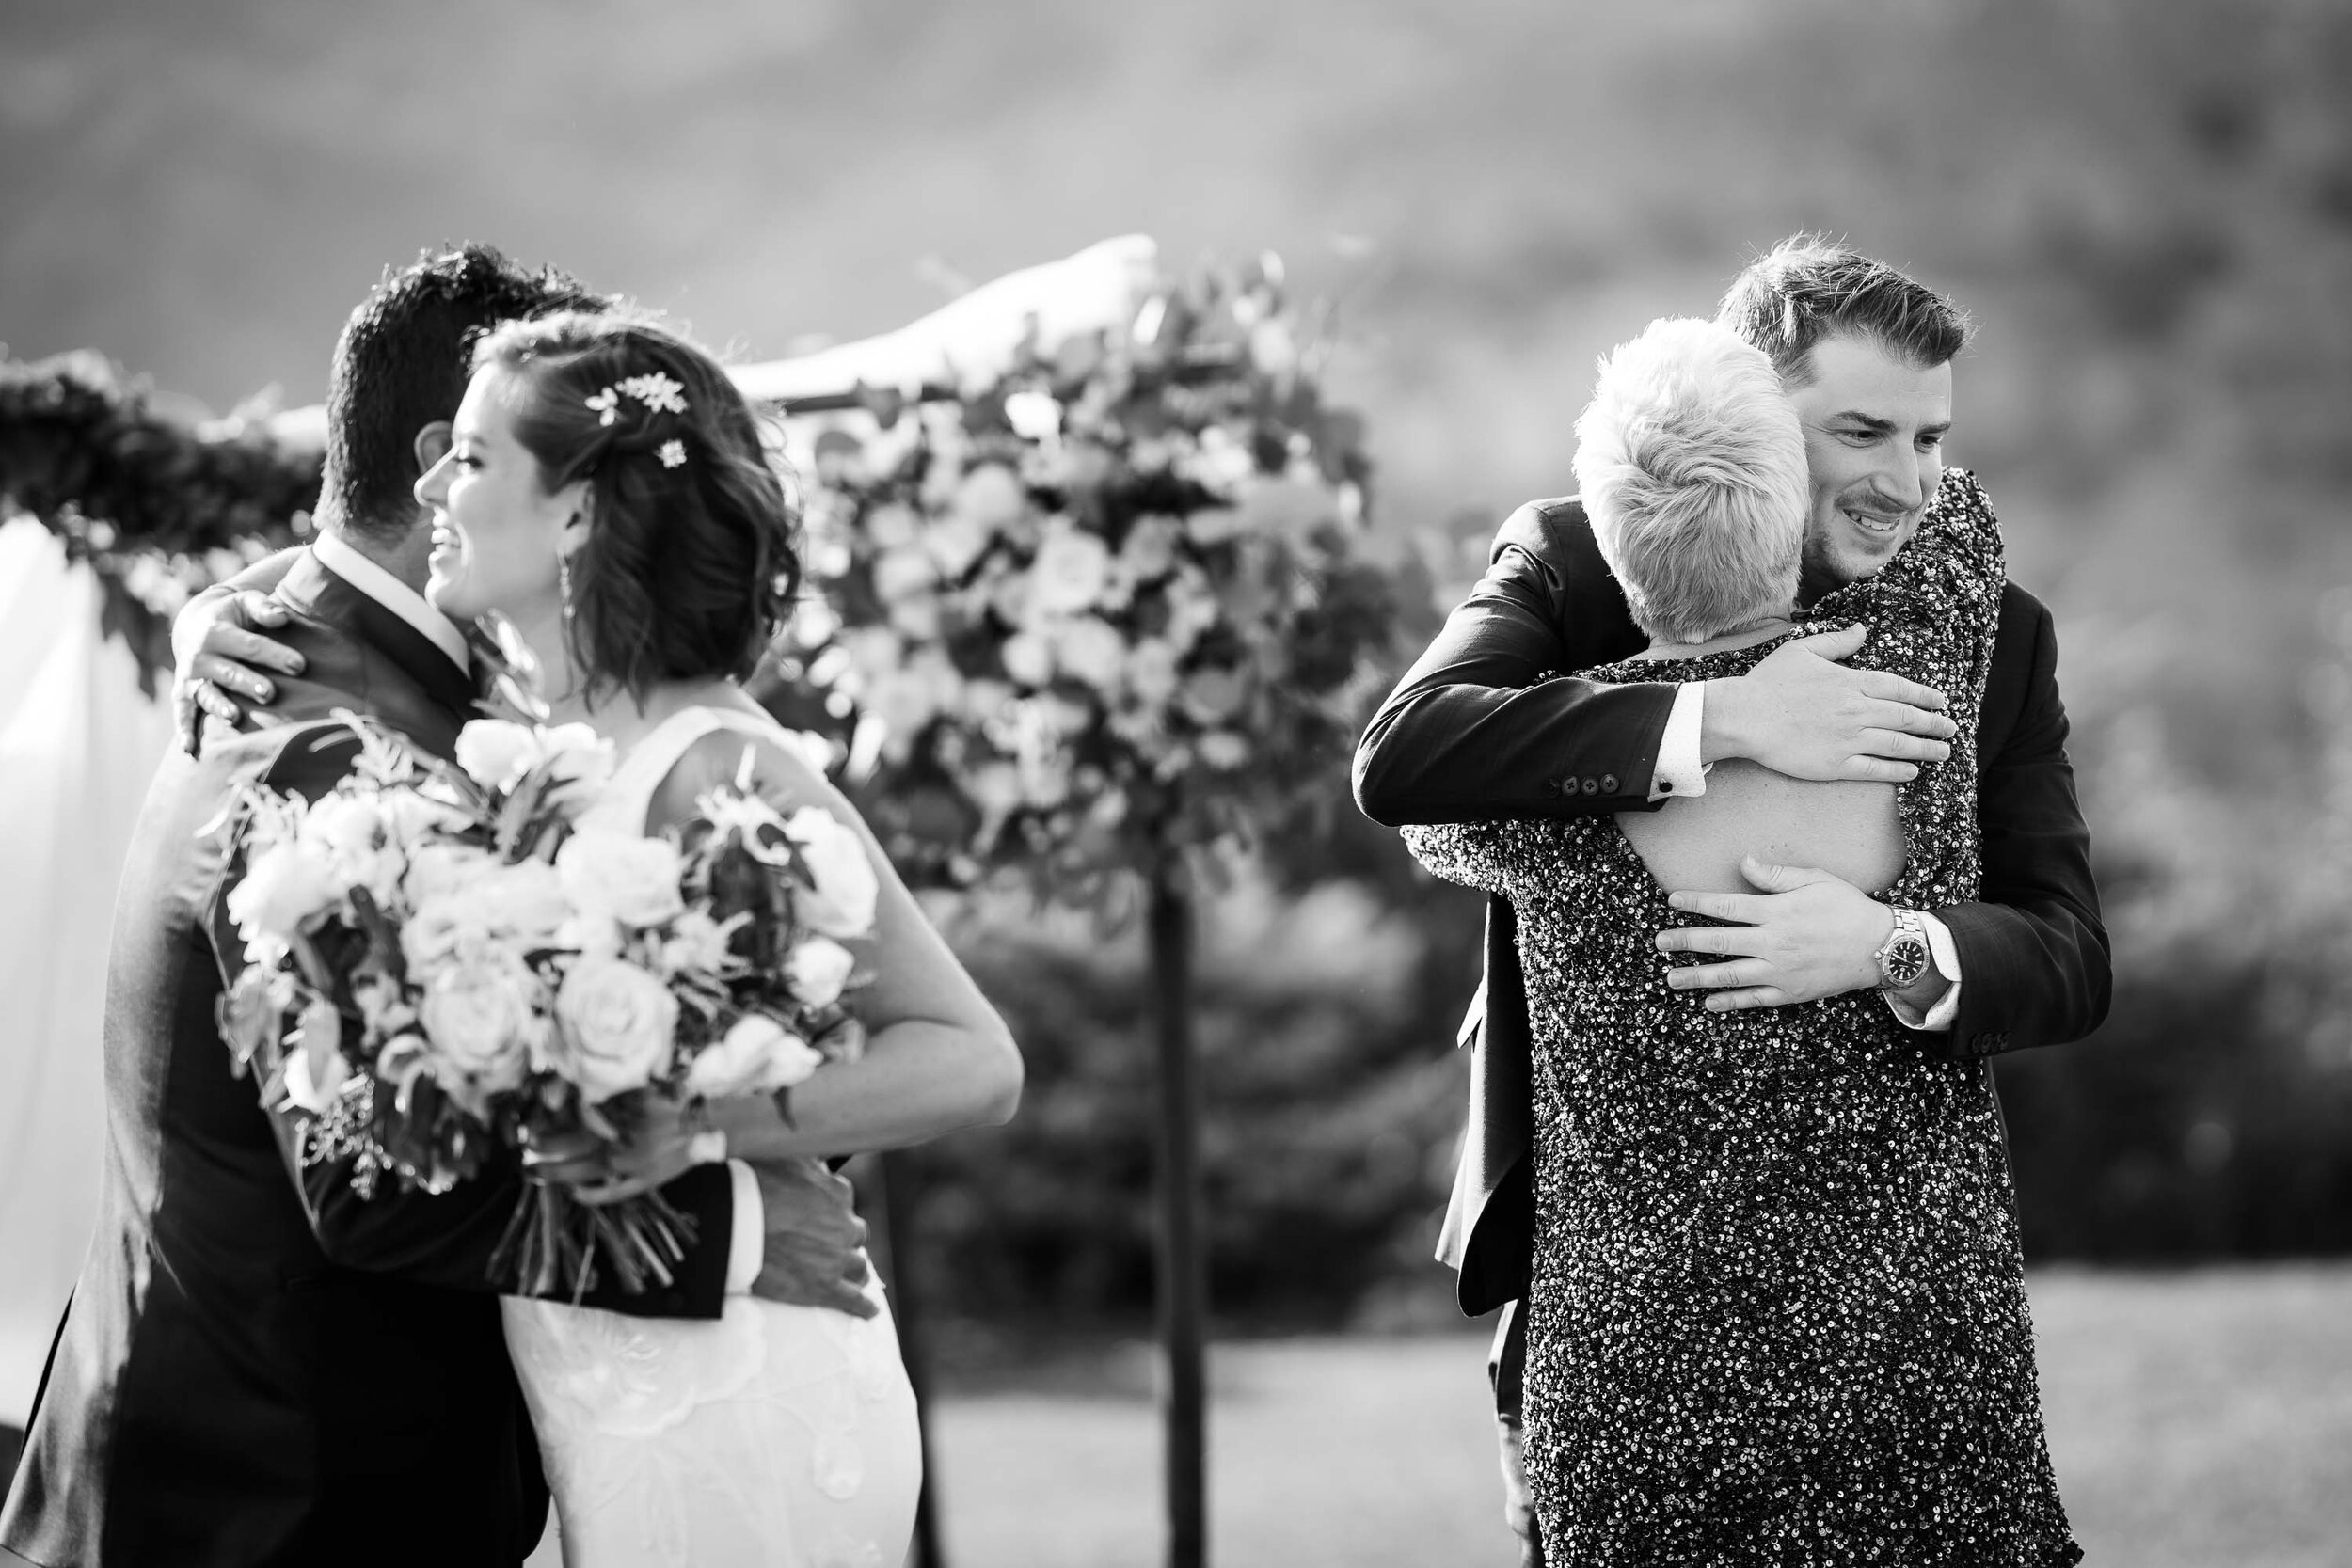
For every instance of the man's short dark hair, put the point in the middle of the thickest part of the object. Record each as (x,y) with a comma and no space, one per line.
(402,364)
(1808,288)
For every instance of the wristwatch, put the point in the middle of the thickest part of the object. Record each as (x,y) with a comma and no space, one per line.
(1904,957)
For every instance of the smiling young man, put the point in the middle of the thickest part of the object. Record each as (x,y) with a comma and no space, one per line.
(1473,734)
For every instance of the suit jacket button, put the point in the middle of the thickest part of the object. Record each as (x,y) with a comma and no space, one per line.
(1608,784)
(1589,785)
(1558,787)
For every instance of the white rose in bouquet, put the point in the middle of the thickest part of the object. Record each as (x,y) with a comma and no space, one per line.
(757,1055)
(818,970)
(283,886)
(841,902)
(481,1017)
(436,870)
(632,879)
(525,900)
(615,1027)
(354,833)
(577,754)
(496,752)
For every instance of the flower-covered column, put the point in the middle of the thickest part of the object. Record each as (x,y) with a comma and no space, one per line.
(1087,629)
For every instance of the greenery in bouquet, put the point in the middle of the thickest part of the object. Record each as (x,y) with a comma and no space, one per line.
(443,967)
(161,508)
(1105,610)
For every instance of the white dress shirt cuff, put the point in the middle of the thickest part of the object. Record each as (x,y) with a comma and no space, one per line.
(1947,956)
(748,1243)
(1679,769)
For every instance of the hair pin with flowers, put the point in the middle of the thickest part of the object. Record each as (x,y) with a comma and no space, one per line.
(658,392)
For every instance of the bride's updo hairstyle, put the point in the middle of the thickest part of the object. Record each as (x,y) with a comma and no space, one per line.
(1691,465)
(689,566)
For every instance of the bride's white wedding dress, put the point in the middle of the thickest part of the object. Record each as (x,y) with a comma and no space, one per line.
(783,1436)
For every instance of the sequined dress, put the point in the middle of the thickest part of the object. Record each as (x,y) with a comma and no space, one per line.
(1777,1312)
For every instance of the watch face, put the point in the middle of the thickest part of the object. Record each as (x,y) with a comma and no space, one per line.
(1905,960)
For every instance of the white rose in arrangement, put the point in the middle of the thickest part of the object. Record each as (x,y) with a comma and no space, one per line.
(818,969)
(1223,749)
(1149,552)
(954,542)
(1029,657)
(1213,524)
(632,879)
(893,526)
(904,701)
(991,497)
(1034,416)
(481,1018)
(283,886)
(496,753)
(1072,569)
(841,902)
(616,1024)
(759,1055)
(1089,649)
(900,573)
(917,616)
(1151,671)
(996,786)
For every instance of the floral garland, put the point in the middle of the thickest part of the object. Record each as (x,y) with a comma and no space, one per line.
(1108,610)
(159,508)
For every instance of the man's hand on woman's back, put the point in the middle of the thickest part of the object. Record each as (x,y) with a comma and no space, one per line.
(1802,712)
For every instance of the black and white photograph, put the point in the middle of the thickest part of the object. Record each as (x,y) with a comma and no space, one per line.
(1301,785)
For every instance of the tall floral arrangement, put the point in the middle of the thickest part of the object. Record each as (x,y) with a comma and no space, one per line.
(160,507)
(1103,611)
(1106,608)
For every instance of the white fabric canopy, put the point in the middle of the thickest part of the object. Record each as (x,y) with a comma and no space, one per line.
(78,744)
(965,344)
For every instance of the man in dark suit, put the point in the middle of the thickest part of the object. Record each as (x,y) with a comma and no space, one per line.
(259,1366)
(1469,734)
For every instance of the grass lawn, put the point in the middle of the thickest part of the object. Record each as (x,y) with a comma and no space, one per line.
(2197,1420)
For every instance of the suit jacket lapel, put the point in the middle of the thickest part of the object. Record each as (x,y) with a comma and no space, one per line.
(311,588)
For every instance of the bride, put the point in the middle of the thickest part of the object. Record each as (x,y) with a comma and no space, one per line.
(605,492)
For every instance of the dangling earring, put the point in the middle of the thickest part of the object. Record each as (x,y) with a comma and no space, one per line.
(563,585)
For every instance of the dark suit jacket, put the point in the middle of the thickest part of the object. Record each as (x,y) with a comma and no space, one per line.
(1464,737)
(257,1367)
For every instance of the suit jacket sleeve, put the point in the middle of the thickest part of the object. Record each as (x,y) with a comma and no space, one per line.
(448,1239)
(2033,953)
(1467,736)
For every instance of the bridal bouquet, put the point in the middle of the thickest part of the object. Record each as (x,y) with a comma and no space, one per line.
(441,967)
